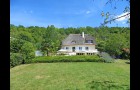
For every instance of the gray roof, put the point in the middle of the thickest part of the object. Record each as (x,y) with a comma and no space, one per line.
(77,39)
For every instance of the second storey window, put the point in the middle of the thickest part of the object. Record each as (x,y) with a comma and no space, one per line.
(86,48)
(67,48)
(73,42)
(89,41)
(80,48)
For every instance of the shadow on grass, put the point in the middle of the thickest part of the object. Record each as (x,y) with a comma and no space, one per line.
(127,62)
(106,85)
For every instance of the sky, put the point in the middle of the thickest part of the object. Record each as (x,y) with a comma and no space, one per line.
(65,13)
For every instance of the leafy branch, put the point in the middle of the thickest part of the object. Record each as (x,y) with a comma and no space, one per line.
(105,22)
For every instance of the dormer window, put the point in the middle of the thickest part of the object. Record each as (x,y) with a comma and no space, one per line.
(89,41)
(73,42)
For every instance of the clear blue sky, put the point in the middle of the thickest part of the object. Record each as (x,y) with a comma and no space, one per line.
(63,13)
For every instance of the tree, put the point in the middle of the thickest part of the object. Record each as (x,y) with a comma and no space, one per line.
(15,45)
(115,44)
(25,36)
(52,39)
(28,52)
(15,59)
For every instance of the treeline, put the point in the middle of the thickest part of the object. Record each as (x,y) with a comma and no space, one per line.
(24,41)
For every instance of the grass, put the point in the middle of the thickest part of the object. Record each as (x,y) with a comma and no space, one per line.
(71,76)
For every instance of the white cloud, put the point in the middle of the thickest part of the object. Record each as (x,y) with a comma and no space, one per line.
(84,12)
(28,12)
(123,22)
(87,12)
(123,18)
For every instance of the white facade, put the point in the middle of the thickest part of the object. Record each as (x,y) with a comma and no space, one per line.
(38,53)
(74,49)
(80,48)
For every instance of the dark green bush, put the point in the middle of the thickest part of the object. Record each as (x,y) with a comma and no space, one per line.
(15,59)
(44,59)
(106,57)
(28,57)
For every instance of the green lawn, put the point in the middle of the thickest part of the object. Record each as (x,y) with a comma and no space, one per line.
(71,76)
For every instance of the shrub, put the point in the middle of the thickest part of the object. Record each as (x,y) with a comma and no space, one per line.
(106,57)
(28,57)
(44,59)
(27,50)
(15,59)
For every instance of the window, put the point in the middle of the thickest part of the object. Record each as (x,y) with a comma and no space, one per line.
(73,42)
(79,53)
(90,53)
(80,48)
(89,41)
(73,49)
(86,48)
(67,48)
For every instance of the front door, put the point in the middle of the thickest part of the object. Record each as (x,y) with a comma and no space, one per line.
(73,49)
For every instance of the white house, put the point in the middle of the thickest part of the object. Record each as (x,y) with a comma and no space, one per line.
(38,53)
(78,44)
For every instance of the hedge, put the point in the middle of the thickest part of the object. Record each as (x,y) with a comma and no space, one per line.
(81,58)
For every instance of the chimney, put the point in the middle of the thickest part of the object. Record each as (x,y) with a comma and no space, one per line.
(83,35)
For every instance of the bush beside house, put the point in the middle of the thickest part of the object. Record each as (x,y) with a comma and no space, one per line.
(106,57)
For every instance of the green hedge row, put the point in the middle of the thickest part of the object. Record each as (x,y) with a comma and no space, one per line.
(49,59)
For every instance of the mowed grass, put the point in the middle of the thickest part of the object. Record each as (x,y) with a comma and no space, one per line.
(71,76)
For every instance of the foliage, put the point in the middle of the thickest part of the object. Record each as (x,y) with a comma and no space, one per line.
(114,44)
(28,52)
(109,40)
(126,53)
(25,36)
(106,57)
(15,59)
(21,48)
(76,58)
(110,17)
(15,45)
(51,41)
